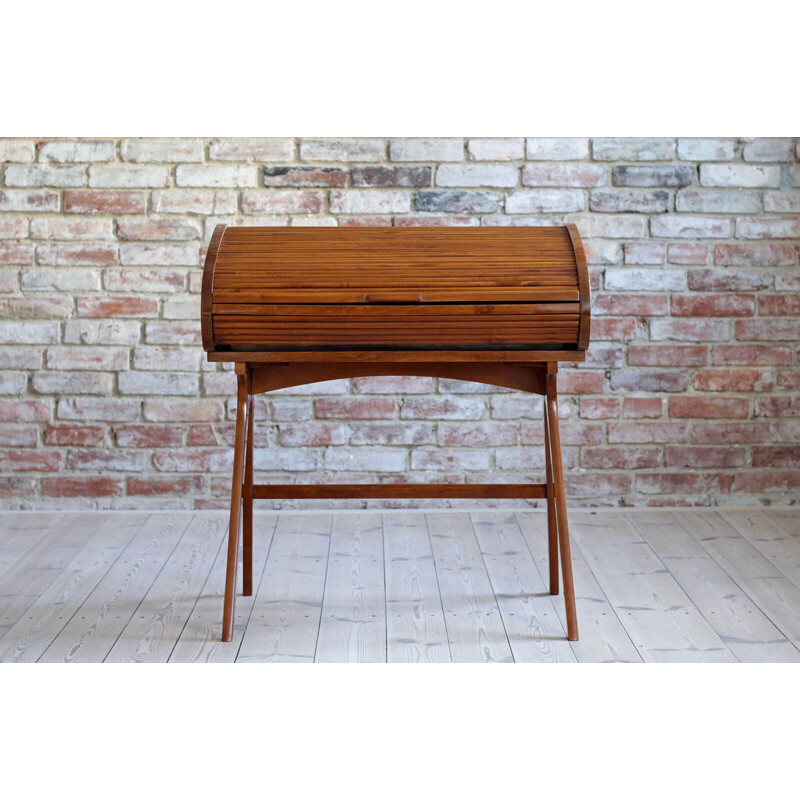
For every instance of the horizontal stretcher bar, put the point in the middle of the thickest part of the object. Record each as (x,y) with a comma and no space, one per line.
(367,491)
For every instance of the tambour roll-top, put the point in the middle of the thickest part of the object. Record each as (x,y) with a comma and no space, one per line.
(294,289)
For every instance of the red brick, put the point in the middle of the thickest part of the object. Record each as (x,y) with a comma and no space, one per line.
(575,434)
(132,230)
(789,380)
(158,486)
(730,432)
(750,355)
(613,329)
(617,457)
(599,407)
(491,434)
(779,305)
(713,305)
(607,485)
(77,435)
(676,482)
(755,254)
(767,481)
(282,201)
(174,410)
(148,436)
(642,407)
(17,487)
(117,307)
(728,280)
(433,221)
(778,406)
(777,456)
(392,385)
(29,461)
(311,434)
(442,407)
(650,380)
(673,355)
(392,433)
(96,460)
(709,407)
(573,381)
(88,487)
(99,201)
(76,255)
(687,253)
(769,330)
(25,411)
(686,456)
(18,253)
(631,305)
(201,436)
(703,330)
(733,380)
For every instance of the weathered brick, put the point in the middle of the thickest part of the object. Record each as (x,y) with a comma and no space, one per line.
(768,228)
(629,200)
(25,410)
(282,201)
(779,305)
(391,176)
(305,176)
(620,457)
(86,357)
(148,435)
(729,432)
(743,175)
(99,201)
(599,407)
(750,354)
(769,330)
(194,201)
(630,305)
(687,253)
(426,150)
(392,385)
(355,408)
(136,307)
(41,175)
(537,201)
(63,486)
(633,149)
(341,150)
(690,226)
(486,434)
(127,176)
(642,408)
(76,151)
(96,383)
(20,253)
(22,151)
(769,150)
(365,460)
(666,175)
(620,226)
(37,200)
(158,229)
(718,201)
(75,435)
(101,409)
(728,280)
(179,359)
(443,407)
(13,383)
(71,228)
(564,175)
(159,254)
(733,380)
(161,486)
(699,407)
(158,383)
(557,149)
(370,202)
(713,305)
(13,227)
(645,253)
(76,254)
(161,150)
(169,332)
(463,202)
(496,149)
(391,433)
(453,459)
(97,460)
(755,254)
(216,175)
(101,331)
(251,150)
(646,280)
(15,332)
(784,202)
(706,149)
(688,330)
(688,456)
(642,380)
(173,410)
(477,175)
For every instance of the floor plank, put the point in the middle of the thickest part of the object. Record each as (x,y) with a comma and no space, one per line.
(155,626)
(763,583)
(49,613)
(535,632)
(474,625)
(353,623)
(660,619)
(734,616)
(416,631)
(200,640)
(284,622)
(92,631)
(603,638)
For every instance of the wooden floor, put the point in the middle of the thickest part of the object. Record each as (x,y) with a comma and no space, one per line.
(680,585)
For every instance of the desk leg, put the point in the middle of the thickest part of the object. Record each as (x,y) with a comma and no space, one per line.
(552,523)
(236,503)
(247,502)
(561,502)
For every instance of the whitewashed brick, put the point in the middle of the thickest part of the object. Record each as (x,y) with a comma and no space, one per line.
(690,226)
(103,409)
(64,152)
(102,331)
(181,308)
(252,150)
(22,151)
(37,175)
(28,201)
(13,227)
(496,149)
(564,175)
(368,201)
(563,149)
(718,201)
(341,150)
(194,201)
(128,176)
(601,226)
(60,382)
(477,175)
(373,459)
(158,383)
(782,202)
(768,228)
(426,149)
(14,332)
(86,357)
(180,359)
(70,228)
(213,175)
(769,150)
(706,149)
(744,175)
(538,201)
(13,382)
(645,280)
(159,255)
(73,279)
(617,149)
(161,150)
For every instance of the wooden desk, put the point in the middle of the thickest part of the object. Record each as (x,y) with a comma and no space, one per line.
(292,306)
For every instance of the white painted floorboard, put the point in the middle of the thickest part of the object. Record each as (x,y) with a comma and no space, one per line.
(699,585)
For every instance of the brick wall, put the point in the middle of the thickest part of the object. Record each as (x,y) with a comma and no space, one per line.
(690,390)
